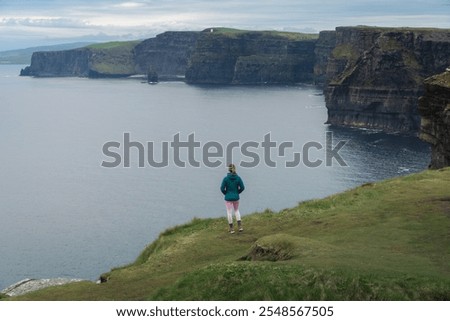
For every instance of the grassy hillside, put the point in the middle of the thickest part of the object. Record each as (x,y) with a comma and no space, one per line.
(382,241)
(233,33)
(113,58)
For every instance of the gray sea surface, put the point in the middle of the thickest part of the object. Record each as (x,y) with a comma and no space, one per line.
(64,215)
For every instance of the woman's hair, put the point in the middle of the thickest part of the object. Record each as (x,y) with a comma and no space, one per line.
(232,168)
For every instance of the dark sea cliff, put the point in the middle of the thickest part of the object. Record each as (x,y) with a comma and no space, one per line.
(372,77)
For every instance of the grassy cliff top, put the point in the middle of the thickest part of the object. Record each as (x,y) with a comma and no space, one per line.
(114,58)
(115,45)
(388,240)
(389,29)
(234,33)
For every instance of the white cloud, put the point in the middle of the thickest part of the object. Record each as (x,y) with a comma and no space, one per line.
(129,5)
(44,22)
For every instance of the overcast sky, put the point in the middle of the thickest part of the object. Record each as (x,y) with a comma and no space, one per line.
(26,23)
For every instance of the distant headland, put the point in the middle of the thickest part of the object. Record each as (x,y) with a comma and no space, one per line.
(372,77)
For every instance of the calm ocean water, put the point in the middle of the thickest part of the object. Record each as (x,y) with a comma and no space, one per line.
(64,215)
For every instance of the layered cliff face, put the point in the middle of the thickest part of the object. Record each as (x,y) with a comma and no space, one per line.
(375,75)
(114,59)
(434,107)
(64,63)
(167,54)
(322,52)
(218,56)
(372,77)
(224,56)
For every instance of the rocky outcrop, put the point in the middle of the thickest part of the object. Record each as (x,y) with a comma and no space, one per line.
(217,55)
(167,54)
(251,57)
(30,285)
(322,52)
(434,107)
(108,60)
(374,75)
(65,63)
(152,76)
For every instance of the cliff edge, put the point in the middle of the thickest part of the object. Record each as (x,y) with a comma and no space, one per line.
(231,56)
(164,56)
(167,54)
(61,63)
(375,75)
(106,60)
(372,77)
(396,248)
(434,107)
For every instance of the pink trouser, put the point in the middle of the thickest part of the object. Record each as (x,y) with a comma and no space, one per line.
(230,207)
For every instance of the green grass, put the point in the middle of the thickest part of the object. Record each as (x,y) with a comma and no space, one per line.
(396,29)
(113,58)
(263,281)
(382,241)
(293,36)
(114,44)
(345,51)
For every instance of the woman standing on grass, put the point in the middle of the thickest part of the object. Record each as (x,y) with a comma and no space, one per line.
(232,186)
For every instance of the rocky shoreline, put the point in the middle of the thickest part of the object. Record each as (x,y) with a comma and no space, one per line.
(30,285)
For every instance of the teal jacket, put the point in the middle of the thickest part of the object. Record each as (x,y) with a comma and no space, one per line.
(232,186)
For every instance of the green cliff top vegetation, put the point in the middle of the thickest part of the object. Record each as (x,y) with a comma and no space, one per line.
(113,58)
(125,45)
(293,36)
(388,240)
(393,29)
